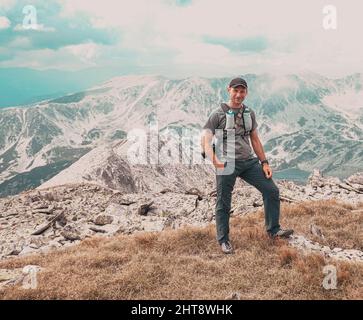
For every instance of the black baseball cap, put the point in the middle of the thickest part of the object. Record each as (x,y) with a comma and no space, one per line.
(236,82)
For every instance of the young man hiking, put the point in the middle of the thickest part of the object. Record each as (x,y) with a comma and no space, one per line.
(238,121)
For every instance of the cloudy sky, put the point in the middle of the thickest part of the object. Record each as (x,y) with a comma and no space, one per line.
(179,38)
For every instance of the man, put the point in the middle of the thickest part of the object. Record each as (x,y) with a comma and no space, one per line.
(243,163)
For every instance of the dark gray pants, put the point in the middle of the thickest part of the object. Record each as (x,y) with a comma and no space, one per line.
(250,171)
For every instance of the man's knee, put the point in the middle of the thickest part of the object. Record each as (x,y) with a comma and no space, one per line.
(271,191)
(224,204)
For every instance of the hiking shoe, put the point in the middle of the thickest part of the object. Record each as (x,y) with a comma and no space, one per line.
(227,247)
(282,233)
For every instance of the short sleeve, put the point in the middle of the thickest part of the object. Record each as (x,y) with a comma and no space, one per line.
(212,122)
(254,122)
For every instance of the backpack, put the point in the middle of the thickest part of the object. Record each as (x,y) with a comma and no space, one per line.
(242,119)
(245,121)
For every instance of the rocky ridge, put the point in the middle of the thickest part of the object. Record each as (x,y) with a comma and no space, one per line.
(64,215)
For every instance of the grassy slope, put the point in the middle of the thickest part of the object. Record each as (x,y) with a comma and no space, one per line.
(187,263)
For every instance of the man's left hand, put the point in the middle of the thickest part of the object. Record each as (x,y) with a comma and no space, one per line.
(267,170)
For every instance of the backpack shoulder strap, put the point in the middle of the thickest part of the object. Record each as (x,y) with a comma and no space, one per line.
(242,110)
(224,107)
(245,119)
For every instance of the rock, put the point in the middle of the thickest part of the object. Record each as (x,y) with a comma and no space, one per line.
(326,249)
(28,250)
(316,179)
(165,190)
(316,231)
(306,245)
(36,243)
(257,203)
(11,277)
(62,220)
(195,192)
(144,208)
(336,189)
(213,193)
(287,199)
(172,210)
(71,233)
(14,250)
(102,220)
(347,188)
(54,244)
(46,211)
(169,222)
(47,225)
(97,230)
(234,296)
(11,214)
(115,209)
(356,178)
(152,226)
(6,274)
(40,206)
(124,229)
(312,246)
(309,190)
(34,198)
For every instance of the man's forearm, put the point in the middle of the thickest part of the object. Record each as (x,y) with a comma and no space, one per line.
(206,144)
(258,148)
(209,152)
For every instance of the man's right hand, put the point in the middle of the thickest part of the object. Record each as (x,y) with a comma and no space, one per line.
(208,151)
(218,164)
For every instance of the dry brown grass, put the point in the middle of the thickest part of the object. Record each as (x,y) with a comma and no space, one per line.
(187,264)
(340,223)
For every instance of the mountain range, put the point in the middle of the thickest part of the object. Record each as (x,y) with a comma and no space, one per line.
(306,121)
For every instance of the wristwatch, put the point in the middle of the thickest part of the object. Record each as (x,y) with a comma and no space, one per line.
(263,162)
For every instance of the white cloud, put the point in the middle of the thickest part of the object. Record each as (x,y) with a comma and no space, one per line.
(19,43)
(66,58)
(36,27)
(4,23)
(85,52)
(293,29)
(296,40)
(110,13)
(7,4)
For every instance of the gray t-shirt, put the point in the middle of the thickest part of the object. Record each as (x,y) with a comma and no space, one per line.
(240,143)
